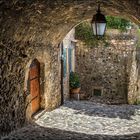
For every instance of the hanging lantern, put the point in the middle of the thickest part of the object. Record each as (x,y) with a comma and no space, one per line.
(98,23)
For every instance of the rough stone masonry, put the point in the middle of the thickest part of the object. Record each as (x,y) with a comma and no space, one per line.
(108,68)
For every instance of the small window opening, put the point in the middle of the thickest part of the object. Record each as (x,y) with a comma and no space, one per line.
(97,92)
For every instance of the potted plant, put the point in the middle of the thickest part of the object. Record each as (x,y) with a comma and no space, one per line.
(74,83)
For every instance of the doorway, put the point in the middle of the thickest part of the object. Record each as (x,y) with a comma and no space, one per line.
(34,76)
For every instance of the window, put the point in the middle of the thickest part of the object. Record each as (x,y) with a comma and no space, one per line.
(68,57)
(65,61)
(71,56)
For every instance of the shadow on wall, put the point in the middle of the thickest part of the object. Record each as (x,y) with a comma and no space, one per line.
(35,132)
(110,111)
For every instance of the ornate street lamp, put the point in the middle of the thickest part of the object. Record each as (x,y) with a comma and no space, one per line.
(98,23)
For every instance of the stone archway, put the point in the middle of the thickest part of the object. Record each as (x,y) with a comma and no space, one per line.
(35,26)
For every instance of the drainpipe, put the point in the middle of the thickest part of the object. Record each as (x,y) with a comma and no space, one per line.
(62,73)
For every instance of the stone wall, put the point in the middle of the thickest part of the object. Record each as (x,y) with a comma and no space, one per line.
(12,101)
(138,75)
(49,78)
(134,79)
(15,95)
(106,68)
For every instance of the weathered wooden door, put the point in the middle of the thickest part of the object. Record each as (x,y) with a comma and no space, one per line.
(35,85)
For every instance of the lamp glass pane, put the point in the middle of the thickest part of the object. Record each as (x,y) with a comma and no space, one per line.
(101,28)
(98,28)
(94,28)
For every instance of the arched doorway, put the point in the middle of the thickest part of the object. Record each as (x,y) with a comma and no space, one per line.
(34,75)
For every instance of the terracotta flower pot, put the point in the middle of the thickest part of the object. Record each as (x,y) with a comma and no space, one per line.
(75,91)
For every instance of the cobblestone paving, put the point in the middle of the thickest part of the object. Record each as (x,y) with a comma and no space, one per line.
(84,120)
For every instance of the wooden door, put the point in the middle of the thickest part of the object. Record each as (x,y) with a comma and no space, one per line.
(35,85)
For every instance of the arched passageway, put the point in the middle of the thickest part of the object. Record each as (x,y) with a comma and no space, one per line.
(34,28)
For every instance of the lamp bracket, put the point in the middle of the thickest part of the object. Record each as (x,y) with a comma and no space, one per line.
(99,8)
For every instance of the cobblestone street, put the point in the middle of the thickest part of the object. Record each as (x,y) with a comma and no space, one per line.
(84,120)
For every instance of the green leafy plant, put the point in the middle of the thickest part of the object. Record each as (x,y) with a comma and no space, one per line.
(84,32)
(138,40)
(137,102)
(117,23)
(74,80)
